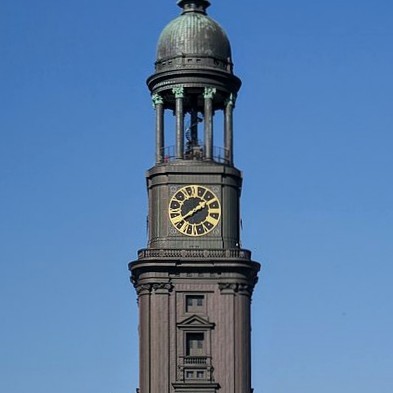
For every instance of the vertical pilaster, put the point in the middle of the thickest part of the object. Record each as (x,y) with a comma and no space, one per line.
(208,96)
(144,337)
(158,104)
(179,95)
(242,339)
(159,349)
(228,128)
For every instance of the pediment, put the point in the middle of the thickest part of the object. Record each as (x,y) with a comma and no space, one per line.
(195,321)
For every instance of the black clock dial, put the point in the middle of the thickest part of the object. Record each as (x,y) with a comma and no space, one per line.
(194,210)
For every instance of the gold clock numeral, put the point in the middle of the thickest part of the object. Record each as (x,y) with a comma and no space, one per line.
(175,211)
(213,202)
(192,191)
(176,219)
(212,220)
(184,192)
(184,226)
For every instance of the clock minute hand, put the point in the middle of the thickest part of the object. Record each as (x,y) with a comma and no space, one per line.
(201,205)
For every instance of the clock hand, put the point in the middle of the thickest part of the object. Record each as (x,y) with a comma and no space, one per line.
(201,205)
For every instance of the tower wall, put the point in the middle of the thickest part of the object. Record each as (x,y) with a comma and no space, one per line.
(225,287)
(163,181)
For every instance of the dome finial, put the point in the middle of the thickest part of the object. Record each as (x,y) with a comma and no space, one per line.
(193,5)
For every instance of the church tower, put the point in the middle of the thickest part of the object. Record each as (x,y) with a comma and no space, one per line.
(194,282)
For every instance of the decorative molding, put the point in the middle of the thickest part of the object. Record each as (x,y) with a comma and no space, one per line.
(231,288)
(143,289)
(209,92)
(195,322)
(178,91)
(162,286)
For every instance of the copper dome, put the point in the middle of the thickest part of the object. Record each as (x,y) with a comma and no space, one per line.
(193,40)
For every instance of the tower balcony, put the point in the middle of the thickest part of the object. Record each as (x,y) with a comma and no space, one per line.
(195,368)
(194,254)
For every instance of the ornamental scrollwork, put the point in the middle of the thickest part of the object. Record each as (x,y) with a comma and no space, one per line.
(167,286)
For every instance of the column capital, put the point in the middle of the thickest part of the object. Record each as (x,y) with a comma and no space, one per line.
(143,289)
(209,92)
(160,287)
(232,288)
(156,99)
(231,100)
(178,91)
(163,287)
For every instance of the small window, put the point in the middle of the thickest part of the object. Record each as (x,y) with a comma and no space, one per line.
(194,303)
(200,375)
(189,374)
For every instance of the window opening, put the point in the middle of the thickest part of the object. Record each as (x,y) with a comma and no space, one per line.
(194,344)
(194,303)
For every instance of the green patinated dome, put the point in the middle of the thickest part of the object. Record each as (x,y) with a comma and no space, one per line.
(194,35)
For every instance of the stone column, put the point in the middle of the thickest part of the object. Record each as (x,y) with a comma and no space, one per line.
(208,96)
(179,95)
(158,104)
(228,128)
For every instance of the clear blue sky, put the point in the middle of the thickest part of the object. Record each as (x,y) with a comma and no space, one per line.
(314,138)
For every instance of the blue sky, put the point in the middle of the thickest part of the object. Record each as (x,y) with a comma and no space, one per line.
(313,127)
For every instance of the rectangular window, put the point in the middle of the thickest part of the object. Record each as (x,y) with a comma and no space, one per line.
(194,303)
(194,344)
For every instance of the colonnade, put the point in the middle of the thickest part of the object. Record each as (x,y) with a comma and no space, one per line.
(208,112)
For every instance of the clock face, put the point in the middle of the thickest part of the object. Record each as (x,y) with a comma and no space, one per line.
(194,210)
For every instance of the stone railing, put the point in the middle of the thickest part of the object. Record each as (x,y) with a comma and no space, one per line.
(235,253)
(195,360)
(220,154)
(195,368)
